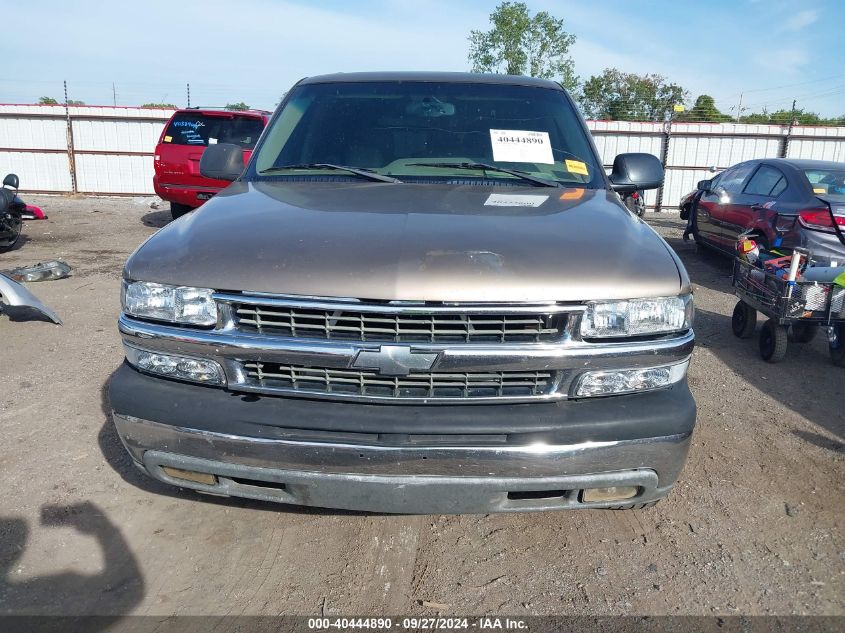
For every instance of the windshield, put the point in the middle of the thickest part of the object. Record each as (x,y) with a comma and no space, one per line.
(421,131)
(827,181)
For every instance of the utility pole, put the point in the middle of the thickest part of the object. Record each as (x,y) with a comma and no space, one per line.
(71,158)
(189,94)
(739,108)
(784,148)
(664,156)
(113,94)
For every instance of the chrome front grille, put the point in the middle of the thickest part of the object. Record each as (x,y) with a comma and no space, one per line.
(370,384)
(417,325)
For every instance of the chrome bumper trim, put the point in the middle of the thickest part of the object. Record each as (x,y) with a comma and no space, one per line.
(664,455)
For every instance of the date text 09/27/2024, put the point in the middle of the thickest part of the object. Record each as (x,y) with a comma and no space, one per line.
(418,623)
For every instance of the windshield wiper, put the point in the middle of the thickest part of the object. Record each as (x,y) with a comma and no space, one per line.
(487,167)
(358,171)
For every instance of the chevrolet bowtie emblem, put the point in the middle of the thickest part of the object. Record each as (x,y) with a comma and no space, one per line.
(394,360)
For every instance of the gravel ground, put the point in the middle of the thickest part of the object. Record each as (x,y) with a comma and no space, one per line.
(755,526)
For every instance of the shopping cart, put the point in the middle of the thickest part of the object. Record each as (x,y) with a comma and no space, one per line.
(795,311)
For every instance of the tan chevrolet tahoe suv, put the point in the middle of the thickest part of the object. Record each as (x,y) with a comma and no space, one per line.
(421,295)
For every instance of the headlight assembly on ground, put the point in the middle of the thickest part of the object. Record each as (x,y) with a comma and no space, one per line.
(176,304)
(637,317)
(180,367)
(616,381)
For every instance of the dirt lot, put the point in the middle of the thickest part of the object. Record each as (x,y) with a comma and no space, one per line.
(755,525)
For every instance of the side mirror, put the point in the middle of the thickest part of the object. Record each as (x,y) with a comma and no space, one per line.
(223,161)
(704,185)
(632,172)
(11,180)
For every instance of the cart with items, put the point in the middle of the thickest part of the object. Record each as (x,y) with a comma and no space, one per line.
(797,297)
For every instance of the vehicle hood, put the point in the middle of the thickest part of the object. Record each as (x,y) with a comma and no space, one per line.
(418,242)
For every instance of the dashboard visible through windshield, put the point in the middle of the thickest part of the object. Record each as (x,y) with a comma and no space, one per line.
(429,131)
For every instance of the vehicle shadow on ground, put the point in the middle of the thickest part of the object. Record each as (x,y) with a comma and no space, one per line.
(21,314)
(157,219)
(117,589)
(117,457)
(706,267)
(805,381)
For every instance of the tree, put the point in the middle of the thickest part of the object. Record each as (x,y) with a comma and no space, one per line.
(784,117)
(629,97)
(159,105)
(522,44)
(47,101)
(704,110)
(756,117)
(75,102)
(240,105)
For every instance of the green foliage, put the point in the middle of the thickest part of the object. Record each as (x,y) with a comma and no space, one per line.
(756,117)
(75,102)
(47,101)
(616,95)
(521,44)
(240,105)
(784,117)
(159,105)
(704,110)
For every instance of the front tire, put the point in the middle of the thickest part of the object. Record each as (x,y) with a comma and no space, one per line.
(178,210)
(744,320)
(773,342)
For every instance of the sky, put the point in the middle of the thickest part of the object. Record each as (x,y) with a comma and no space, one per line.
(771,51)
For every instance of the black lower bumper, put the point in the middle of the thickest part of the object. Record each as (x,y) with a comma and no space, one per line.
(405,458)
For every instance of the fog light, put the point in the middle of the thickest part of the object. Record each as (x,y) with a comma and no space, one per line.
(184,368)
(614,493)
(190,475)
(607,382)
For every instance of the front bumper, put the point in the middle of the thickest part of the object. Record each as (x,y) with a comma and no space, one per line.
(431,459)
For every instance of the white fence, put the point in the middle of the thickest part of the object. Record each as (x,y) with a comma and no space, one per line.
(106,150)
(87,149)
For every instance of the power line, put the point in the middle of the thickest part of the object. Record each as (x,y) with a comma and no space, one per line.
(802,83)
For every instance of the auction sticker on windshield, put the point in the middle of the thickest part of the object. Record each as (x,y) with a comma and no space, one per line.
(577,167)
(521,146)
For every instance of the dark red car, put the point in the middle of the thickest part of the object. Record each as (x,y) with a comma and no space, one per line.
(780,202)
(177,176)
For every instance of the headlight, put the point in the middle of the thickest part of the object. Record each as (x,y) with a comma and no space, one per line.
(200,370)
(612,381)
(637,317)
(177,304)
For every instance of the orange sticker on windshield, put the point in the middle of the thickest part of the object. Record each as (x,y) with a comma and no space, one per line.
(576,167)
(167,139)
(819,190)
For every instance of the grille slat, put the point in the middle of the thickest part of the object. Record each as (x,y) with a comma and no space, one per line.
(430,385)
(348,324)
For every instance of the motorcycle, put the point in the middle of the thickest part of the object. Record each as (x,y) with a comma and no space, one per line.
(635,201)
(11,210)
